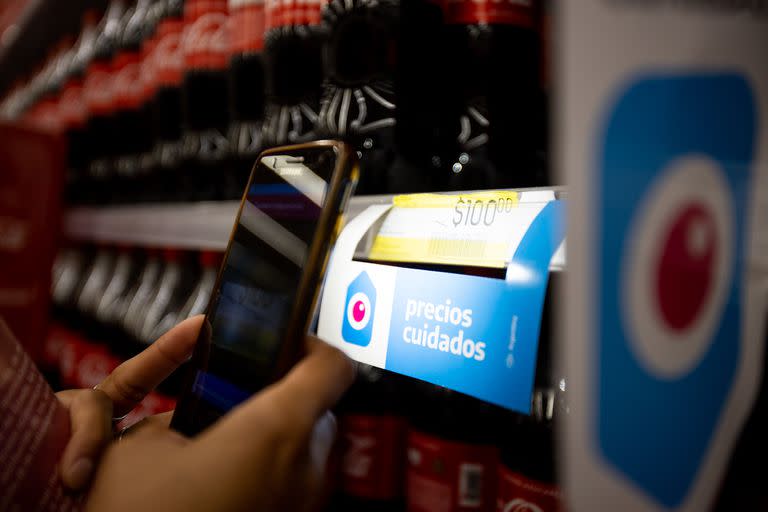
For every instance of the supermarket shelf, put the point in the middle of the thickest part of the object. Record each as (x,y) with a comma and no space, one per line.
(199,226)
(183,226)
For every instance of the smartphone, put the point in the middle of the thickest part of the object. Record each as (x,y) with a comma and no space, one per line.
(264,298)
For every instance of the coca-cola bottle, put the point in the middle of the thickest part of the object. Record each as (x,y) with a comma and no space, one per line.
(10,106)
(422,84)
(31,93)
(140,297)
(96,281)
(91,360)
(134,127)
(29,108)
(294,71)
(198,300)
(372,432)
(169,297)
(165,312)
(206,99)
(526,473)
(495,65)
(167,70)
(246,68)
(73,111)
(527,476)
(68,270)
(110,309)
(184,303)
(452,455)
(359,97)
(142,186)
(102,130)
(45,113)
(173,288)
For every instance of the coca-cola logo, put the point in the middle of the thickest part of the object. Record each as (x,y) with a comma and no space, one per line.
(521,505)
(207,36)
(357,463)
(71,106)
(127,82)
(167,55)
(513,12)
(98,88)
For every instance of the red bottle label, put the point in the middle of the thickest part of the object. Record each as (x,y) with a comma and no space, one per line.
(82,364)
(519,494)
(280,13)
(47,115)
(247,28)
(168,57)
(148,71)
(373,449)
(308,12)
(70,353)
(205,43)
(126,84)
(449,476)
(72,110)
(56,339)
(95,364)
(275,14)
(98,90)
(497,12)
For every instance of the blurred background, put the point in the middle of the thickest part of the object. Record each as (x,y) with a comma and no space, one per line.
(129,130)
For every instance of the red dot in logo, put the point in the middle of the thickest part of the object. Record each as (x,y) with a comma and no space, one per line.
(358,311)
(685,268)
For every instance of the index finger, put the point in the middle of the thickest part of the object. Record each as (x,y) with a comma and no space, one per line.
(138,376)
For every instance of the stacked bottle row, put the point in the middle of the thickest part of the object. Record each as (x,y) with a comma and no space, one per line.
(402,445)
(109,303)
(407,445)
(171,100)
(410,446)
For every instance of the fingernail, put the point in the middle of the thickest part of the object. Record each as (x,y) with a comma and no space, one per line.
(80,472)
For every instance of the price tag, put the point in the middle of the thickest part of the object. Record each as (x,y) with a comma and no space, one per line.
(478,229)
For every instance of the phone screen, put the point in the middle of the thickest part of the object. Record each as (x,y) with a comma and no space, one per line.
(256,297)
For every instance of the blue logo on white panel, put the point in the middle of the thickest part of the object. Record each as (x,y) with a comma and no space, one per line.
(674,173)
(359,308)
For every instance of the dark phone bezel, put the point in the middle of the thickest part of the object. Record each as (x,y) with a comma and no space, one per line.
(292,347)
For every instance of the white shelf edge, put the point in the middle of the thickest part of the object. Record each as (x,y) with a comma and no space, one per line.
(183,226)
(195,226)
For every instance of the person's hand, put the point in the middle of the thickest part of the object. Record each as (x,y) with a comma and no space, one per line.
(267,454)
(91,410)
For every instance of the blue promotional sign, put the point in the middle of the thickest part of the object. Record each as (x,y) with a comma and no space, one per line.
(475,335)
(471,334)
(664,149)
(680,151)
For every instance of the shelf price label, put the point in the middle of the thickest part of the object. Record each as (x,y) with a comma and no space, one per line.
(478,229)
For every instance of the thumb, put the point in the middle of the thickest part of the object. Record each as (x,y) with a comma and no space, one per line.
(286,412)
